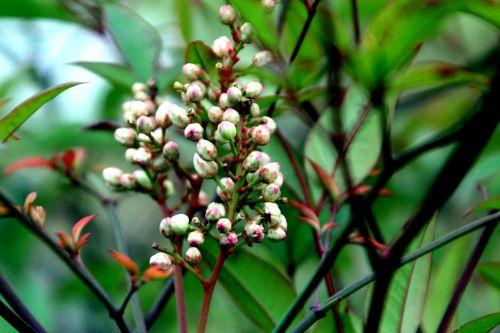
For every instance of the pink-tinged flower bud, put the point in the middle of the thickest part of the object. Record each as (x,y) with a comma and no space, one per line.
(177,115)
(231,115)
(139,108)
(161,115)
(227,14)
(276,234)
(191,71)
(247,33)
(222,47)
(126,136)
(143,138)
(226,193)
(224,101)
(179,224)
(193,256)
(262,58)
(254,231)
(215,114)
(253,161)
(161,260)
(215,211)
(143,179)
(193,132)
(128,181)
(283,224)
(261,135)
(139,86)
(272,209)
(142,155)
(203,198)
(196,238)
(227,130)
(279,180)
(269,5)
(171,151)
(270,123)
(195,221)
(234,95)
(160,164)
(206,149)
(255,110)
(271,192)
(224,225)
(194,93)
(145,124)
(204,168)
(129,154)
(168,187)
(158,136)
(253,89)
(112,176)
(141,96)
(269,172)
(218,137)
(165,227)
(228,240)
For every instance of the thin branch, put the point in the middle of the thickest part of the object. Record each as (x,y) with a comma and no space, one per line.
(18,306)
(160,304)
(14,320)
(487,222)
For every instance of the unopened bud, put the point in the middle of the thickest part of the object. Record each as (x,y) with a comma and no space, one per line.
(226,192)
(193,255)
(145,124)
(222,46)
(227,15)
(253,89)
(161,260)
(158,136)
(234,95)
(215,114)
(228,240)
(269,172)
(143,138)
(227,130)
(224,225)
(179,86)
(271,192)
(224,101)
(270,123)
(254,161)
(165,227)
(272,209)
(279,180)
(254,231)
(139,86)
(177,115)
(194,93)
(191,71)
(231,115)
(262,58)
(128,181)
(139,108)
(196,238)
(215,211)
(171,151)
(269,5)
(204,168)
(161,116)
(179,224)
(160,164)
(38,215)
(255,110)
(247,33)
(112,176)
(169,188)
(261,135)
(142,155)
(126,136)
(193,132)
(206,149)
(143,179)
(276,234)
(283,224)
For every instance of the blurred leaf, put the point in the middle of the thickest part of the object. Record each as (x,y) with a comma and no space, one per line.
(156,273)
(488,204)
(242,276)
(307,214)
(137,40)
(184,16)
(486,9)
(166,78)
(114,73)
(30,162)
(3,102)
(481,325)
(78,227)
(26,109)
(199,53)
(35,8)
(490,271)
(126,262)
(327,180)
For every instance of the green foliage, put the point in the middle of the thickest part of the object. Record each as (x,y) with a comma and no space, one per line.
(481,325)
(114,73)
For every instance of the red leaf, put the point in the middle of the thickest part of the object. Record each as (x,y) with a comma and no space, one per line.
(78,227)
(156,273)
(126,262)
(71,159)
(328,225)
(66,241)
(30,162)
(326,179)
(82,241)
(360,189)
(385,192)
(307,214)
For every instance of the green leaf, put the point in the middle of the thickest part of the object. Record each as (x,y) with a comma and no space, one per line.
(199,53)
(488,204)
(26,109)
(137,40)
(114,73)
(490,271)
(405,302)
(184,15)
(483,324)
(486,9)
(35,8)
(258,288)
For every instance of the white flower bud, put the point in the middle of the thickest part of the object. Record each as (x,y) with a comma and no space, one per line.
(141,96)
(171,151)
(261,135)
(276,234)
(269,5)
(193,132)
(215,114)
(228,240)
(129,154)
(226,193)
(169,188)
(231,115)
(283,224)
(143,179)
(206,149)
(270,123)
(247,33)
(139,108)
(234,95)
(179,224)
(195,93)
(222,46)
(193,255)
(161,260)
(262,58)
(254,161)
(227,130)
(177,115)
(255,110)
(126,136)
(191,71)
(271,192)
(224,101)
(161,115)
(158,136)
(279,180)
(142,155)
(165,227)
(253,89)
(254,231)
(269,172)
(196,238)
(218,137)
(227,14)
(215,211)
(139,86)
(128,181)
(143,138)
(204,168)
(112,176)
(145,124)
(224,225)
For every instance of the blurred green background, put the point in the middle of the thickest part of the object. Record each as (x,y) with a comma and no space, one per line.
(40,40)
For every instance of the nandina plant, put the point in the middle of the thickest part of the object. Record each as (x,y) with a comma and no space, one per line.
(282,130)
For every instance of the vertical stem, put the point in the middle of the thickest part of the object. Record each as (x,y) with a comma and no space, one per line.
(180,301)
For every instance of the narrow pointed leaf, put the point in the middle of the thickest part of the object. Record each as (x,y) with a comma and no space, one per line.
(116,74)
(481,325)
(30,162)
(78,227)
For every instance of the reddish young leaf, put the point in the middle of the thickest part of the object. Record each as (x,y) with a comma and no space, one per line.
(307,214)
(4,211)
(385,192)
(29,201)
(328,225)
(78,227)
(82,241)
(126,262)
(156,273)
(66,241)
(71,159)
(30,162)
(327,180)
(361,189)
